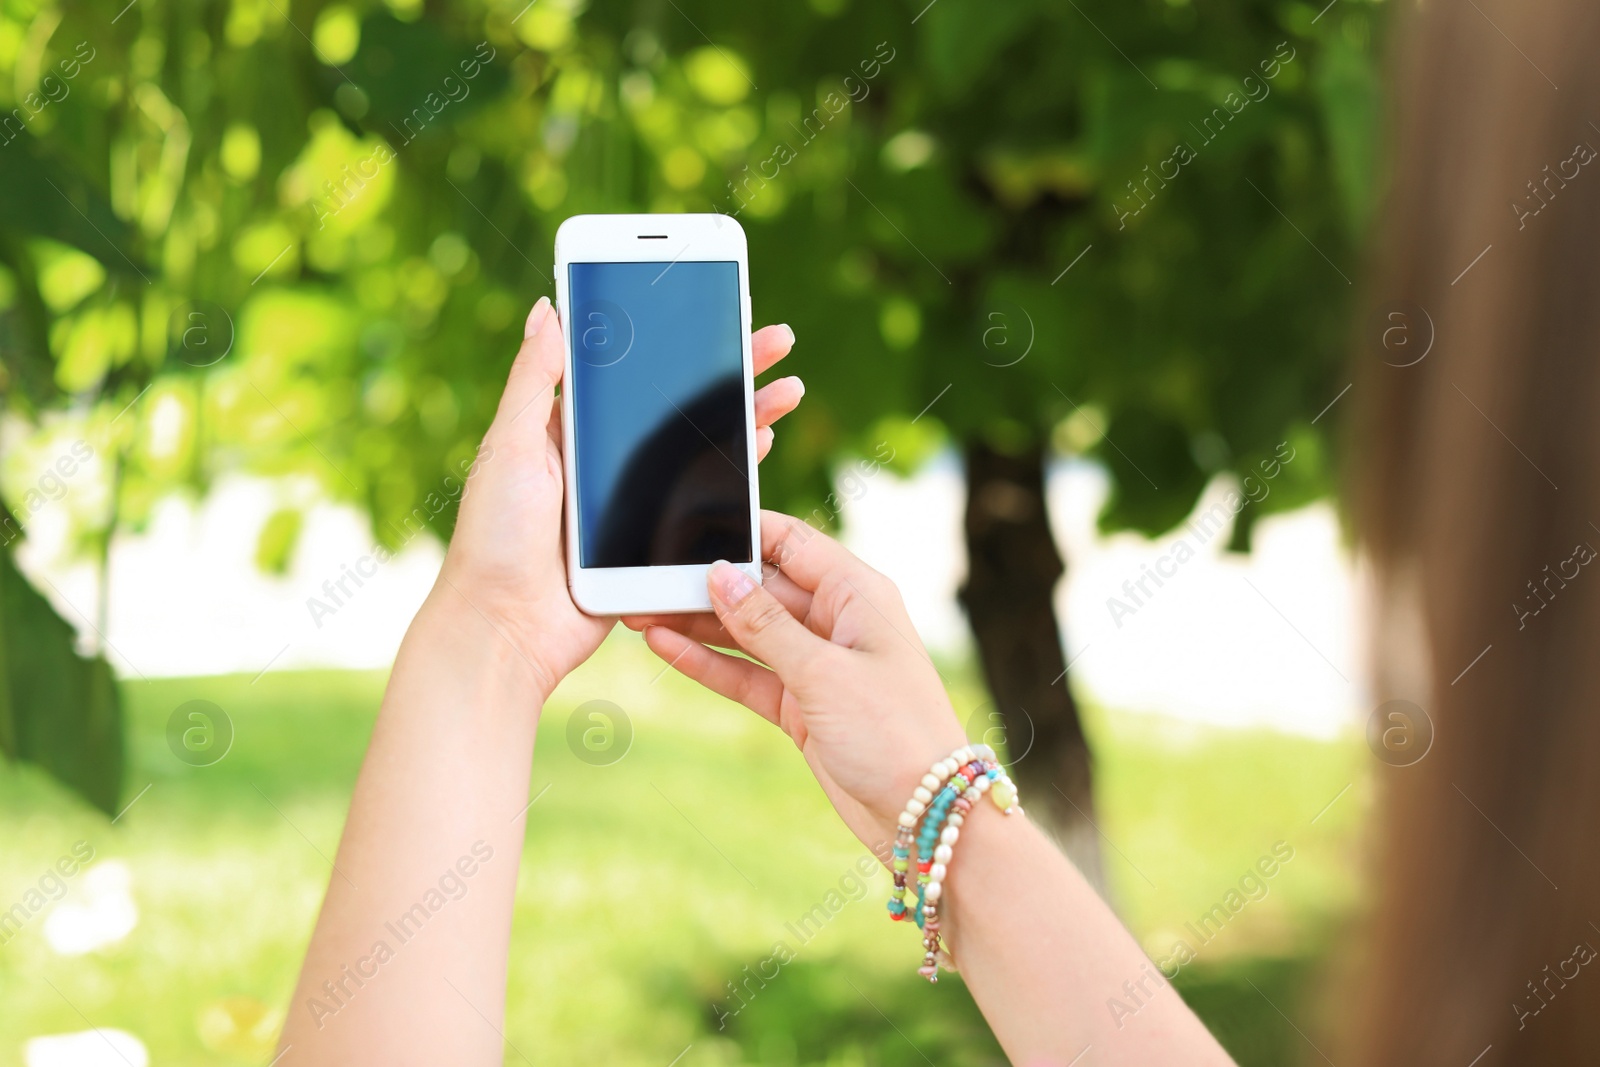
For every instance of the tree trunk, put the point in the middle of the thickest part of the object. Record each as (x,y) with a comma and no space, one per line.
(1012,569)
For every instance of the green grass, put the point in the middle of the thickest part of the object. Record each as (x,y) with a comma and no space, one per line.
(651,884)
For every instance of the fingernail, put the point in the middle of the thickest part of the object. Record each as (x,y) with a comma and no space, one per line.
(731,583)
(788,330)
(536,317)
(798,384)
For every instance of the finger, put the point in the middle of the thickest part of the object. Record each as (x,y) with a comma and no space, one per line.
(702,628)
(791,596)
(807,555)
(768,345)
(776,399)
(764,439)
(553,426)
(760,623)
(530,388)
(737,679)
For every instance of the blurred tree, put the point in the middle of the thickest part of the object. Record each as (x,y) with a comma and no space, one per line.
(1123,232)
(1112,232)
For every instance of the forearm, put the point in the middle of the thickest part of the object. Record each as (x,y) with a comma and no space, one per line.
(408,960)
(1043,957)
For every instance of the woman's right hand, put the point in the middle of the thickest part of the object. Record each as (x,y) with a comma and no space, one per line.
(841,669)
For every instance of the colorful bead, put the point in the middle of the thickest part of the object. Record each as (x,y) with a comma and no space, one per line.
(933,819)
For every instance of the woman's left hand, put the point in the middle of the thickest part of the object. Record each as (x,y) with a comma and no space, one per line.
(506,558)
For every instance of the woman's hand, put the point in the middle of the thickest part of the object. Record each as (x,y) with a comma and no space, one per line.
(505,559)
(848,681)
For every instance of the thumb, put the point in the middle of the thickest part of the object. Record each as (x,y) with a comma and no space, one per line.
(759,622)
(530,389)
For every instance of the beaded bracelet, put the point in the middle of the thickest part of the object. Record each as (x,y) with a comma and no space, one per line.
(955,782)
(915,807)
(936,839)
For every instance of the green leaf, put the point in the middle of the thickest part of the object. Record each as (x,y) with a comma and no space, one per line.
(58,710)
(279,536)
(1155,480)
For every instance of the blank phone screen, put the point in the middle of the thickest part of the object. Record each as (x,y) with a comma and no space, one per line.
(659,414)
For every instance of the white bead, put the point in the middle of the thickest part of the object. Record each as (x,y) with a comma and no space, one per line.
(942,854)
(950,835)
(936,872)
(964,755)
(930,782)
(956,818)
(972,794)
(915,806)
(932,893)
(948,767)
(922,794)
(907,819)
(983,783)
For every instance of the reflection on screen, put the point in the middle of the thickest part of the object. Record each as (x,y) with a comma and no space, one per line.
(658,404)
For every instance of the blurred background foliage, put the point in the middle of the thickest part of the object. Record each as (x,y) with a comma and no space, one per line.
(299,238)
(295,238)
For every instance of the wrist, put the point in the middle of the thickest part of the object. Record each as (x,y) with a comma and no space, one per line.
(915,760)
(478,647)
(987,836)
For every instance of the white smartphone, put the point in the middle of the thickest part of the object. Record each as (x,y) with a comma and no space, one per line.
(659,409)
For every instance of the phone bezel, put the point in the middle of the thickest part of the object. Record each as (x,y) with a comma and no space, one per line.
(671,238)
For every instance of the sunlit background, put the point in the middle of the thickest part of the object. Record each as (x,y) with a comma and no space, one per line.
(1086,271)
